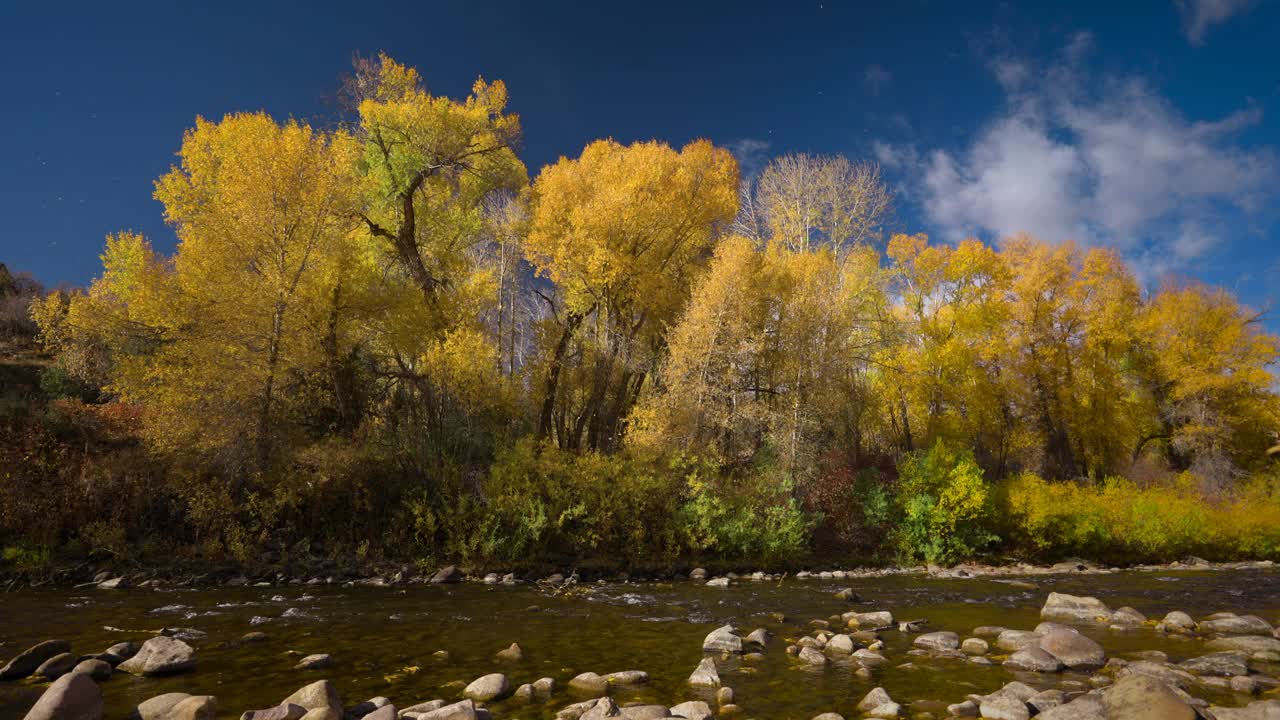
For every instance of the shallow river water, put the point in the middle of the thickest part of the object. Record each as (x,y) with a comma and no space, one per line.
(383,639)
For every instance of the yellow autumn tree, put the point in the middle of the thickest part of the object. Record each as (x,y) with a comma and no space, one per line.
(622,232)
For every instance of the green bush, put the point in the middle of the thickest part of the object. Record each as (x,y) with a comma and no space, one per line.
(944,506)
(752,516)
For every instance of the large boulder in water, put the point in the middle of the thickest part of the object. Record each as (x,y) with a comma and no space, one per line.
(722,639)
(1246,643)
(319,694)
(1034,659)
(57,666)
(26,662)
(1075,608)
(1141,697)
(1073,649)
(1227,663)
(161,655)
(71,697)
(488,687)
(1232,624)
(706,674)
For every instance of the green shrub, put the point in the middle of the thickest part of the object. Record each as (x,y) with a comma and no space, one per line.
(751,516)
(1119,521)
(944,506)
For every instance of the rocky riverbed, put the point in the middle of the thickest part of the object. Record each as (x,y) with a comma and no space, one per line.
(1080,642)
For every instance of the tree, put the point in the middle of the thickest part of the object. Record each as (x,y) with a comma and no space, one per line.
(622,231)
(428,164)
(807,201)
(1206,366)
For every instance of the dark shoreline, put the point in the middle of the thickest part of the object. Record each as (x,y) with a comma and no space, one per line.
(316,571)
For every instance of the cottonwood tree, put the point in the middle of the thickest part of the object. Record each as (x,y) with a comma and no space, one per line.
(622,232)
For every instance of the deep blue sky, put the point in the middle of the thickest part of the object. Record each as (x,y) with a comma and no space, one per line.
(1150,126)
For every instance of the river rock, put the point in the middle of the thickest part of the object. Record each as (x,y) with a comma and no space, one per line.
(1035,659)
(158,707)
(1163,672)
(544,686)
(847,594)
(1085,707)
(943,640)
(989,631)
(464,710)
(692,710)
(386,712)
(115,583)
(965,709)
(868,657)
(1246,643)
(718,582)
(1013,640)
(828,716)
(627,677)
(71,697)
(1258,710)
(423,707)
(1003,706)
(706,674)
(1075,608)
(1140,697)
(447,574)
(840,644)
(874,699)
(56,666)
(161,655)
(759,636)
(120,652)
(97,669)
(488,687)
(1227,663)
(362,709)
(1127,617)
(314,662)
(812,656)
(283,711)
(645,712)
(698,574)
(724,696)
(1178,622)
(525,693)
(319,694)
(870,620)
(1074,650)
(722,639)
(196,707)
(26,662)
(1046,700)
(975,646)
(1232,624)
(605,707)
(514,653)
(589,682)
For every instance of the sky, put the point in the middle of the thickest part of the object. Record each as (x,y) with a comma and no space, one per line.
(1151,127)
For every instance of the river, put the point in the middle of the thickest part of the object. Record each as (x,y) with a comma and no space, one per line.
(383,640)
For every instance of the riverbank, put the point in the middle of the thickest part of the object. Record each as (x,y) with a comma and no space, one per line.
(318,571)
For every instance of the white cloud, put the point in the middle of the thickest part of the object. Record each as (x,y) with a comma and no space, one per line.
(1199,15)
(1109,162)
(876,79)
(752,155)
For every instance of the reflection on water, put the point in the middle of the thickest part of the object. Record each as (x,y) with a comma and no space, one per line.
(383,639)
